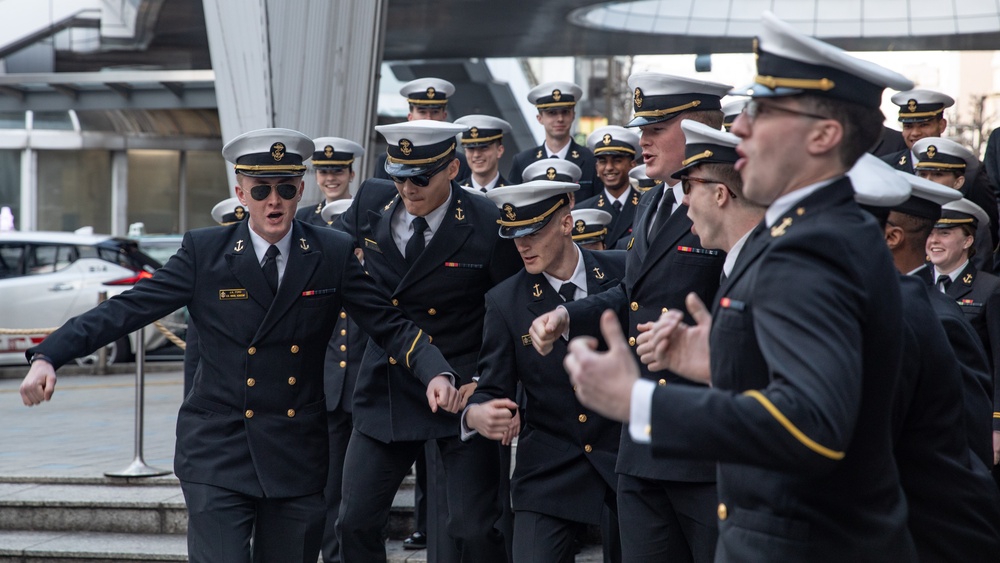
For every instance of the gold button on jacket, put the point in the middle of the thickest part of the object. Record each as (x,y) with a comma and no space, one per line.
(249,413)
(634,306)
(292,380)
(588,448)
(661,382)
(252,350)
(251,382)
(582,418)
(723,512)
(295,348)
(291,413)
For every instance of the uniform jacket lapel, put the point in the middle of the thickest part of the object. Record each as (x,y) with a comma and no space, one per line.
(303,260)
(243,264)
(624,219)
(597,279)
(449,238)
(676,226)
(542,298)
(380,221)
(963,285)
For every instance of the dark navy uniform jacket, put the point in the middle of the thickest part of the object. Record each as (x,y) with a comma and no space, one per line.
(659,273)
(578,155)
(443,293)
(311,214)
(566,453)
(255,420)
(954,505)
(806,350)
(621,221)
(978,294)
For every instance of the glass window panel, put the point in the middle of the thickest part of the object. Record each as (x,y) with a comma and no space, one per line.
(932,26)
(74,190)
(42,260)
(10,183)
(58,120)
(10,260)
(981,24)
(153,194)
(207,184)
(11,120)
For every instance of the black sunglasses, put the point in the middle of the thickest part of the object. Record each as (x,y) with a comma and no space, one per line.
(422,180)
(260,192)
(687,180)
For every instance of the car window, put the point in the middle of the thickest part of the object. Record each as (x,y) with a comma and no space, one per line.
(41,260)
(10,260)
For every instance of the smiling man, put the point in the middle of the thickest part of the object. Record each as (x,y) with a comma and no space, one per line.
(252,445)
(615,149)
(483,144)
(433,247)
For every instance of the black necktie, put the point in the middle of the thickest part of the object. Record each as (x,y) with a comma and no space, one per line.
(415,245)
(663,213)
(270,268)
(944,282)
(617,205)
(568,291)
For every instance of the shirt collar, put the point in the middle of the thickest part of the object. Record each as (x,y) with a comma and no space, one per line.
(434,218)
(787,201)
(734,252)
(620,199)
(954,273)
(260,245)
(579,277)
(561,153)
(488,186)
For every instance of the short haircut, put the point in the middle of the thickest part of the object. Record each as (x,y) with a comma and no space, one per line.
(727,174)
(917,230)
(711,117)
(862,125)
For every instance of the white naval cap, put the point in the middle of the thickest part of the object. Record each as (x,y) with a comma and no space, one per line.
(229,211)
(937,153)
(920,105)
(658,97)
(731,111)
(526,208)
(427,91)
(552,169)
(704,144)
(639,180)
(553,95)
(926,197)
(791,63)
(961,212)
(482,130)
(613,140)
(876,184)
(334,208)
(269,152)
(334,153)
(590,225)
(418,146)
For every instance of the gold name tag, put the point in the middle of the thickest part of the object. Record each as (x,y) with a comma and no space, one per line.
(225,294)
(526,340)
(370,244)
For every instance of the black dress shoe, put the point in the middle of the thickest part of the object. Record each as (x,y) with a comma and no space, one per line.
(417,540)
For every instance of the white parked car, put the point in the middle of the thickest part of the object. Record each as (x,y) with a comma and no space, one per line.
(46,278)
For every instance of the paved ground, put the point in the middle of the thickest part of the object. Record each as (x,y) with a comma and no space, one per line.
(88,427)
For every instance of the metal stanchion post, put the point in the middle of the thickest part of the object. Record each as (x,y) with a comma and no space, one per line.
(138,467)
(102,354)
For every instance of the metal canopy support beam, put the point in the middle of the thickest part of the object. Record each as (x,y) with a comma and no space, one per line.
(313,68)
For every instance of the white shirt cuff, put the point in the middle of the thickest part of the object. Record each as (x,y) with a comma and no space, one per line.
(466,433)
(565,334)
(641,411)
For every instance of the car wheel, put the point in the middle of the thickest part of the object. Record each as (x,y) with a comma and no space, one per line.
(119,352)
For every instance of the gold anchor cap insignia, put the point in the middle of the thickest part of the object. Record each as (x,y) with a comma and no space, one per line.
(278,151)
(580,226)
(328,151)
(538,291)
(778,230)
(431,92)
(550,173)
(239,246)
(405,147)
(474,132)
(931,151)
(637,97)
(240,213)
(598,274)
(556,95)
(508,210)
(607,139)
(911,105)
(303,244)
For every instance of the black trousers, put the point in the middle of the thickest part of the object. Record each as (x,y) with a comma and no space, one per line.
(339,428)
(667,520)
(373,472)
(224,524)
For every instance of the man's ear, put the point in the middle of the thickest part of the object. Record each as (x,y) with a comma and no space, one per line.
(894,237)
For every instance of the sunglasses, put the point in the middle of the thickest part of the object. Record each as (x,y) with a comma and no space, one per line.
(422,180)
(260,192)
(755,109)
(686,182)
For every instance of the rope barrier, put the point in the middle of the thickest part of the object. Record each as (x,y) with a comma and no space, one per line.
(170,335)
(26,331)
(178,341)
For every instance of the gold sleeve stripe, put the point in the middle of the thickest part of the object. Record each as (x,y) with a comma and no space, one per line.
(996,415)
(412,346)
(806,441)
